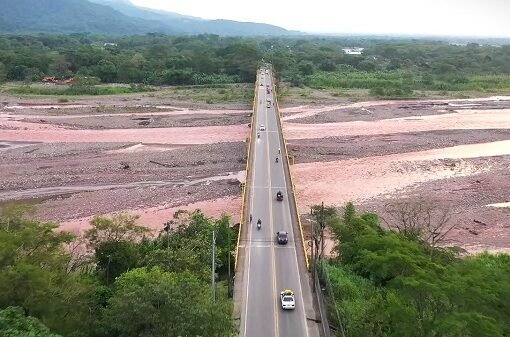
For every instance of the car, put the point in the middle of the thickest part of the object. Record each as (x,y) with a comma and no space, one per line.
(268,105)
(261,84)
(282,237)
(262,127)
(279,196)
(287,299)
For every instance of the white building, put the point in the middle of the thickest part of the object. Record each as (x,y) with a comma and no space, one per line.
(353,50)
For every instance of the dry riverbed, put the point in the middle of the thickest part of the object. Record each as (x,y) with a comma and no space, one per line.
(152,155)
(135,153)
(455,153)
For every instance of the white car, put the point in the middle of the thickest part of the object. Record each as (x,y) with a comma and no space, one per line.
(262,127)
(287,299)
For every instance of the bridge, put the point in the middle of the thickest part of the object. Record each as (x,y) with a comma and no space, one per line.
(264,268)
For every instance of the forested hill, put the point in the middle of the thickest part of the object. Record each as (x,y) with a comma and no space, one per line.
(113,17)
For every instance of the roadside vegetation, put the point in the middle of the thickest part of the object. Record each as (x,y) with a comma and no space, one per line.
(400,282)
(386,68)
(76,90)
(116,280)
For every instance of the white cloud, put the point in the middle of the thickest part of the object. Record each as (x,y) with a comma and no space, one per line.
(437,17)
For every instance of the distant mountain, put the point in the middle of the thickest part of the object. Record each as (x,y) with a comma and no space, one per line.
(114,17)
(67,16)
(193,25)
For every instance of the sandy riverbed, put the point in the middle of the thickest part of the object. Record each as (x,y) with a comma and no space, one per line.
(151,157)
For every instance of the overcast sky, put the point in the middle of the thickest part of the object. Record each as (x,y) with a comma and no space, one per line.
(429,17)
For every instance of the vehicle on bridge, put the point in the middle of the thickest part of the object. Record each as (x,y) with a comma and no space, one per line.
(282,237)
(279,196)
(287,299)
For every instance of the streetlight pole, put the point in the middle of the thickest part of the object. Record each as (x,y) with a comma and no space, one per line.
(213,267)
(312,246)
(323,225)
(228,250)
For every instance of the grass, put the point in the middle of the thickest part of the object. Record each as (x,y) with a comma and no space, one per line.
(233,94)
(298,96)
(77,90)
(403,84)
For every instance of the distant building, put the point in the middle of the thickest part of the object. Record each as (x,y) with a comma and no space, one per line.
(109,44)
(353,51)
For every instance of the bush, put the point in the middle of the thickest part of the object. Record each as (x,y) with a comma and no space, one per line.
(76,90)
(385,284)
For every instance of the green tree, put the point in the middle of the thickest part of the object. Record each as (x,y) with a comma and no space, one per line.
(14,323)
(114,258)
(106,71)
(3,72)
(119,227)
(386,284)
(306,68)
(151,302)
(35,275)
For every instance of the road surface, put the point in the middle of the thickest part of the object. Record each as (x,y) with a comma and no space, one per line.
(268,267)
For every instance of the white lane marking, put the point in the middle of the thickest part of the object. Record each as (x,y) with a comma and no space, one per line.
(270,245)
(265,187)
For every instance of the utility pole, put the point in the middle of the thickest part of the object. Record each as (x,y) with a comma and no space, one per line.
(229,275)
(323,225)
(213,267)
(312,246)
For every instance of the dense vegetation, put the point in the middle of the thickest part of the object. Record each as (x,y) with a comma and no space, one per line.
(386,68)
(387,283)
(115,281)
(75,90)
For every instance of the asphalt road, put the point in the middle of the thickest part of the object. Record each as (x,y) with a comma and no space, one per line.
(269,268)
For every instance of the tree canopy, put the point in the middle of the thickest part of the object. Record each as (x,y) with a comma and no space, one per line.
(385,284)
(127,283)
(386,67)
